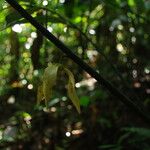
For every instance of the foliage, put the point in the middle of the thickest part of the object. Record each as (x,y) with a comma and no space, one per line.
(112,37)
(49,80)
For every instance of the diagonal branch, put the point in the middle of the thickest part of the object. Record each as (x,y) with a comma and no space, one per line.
(120,96)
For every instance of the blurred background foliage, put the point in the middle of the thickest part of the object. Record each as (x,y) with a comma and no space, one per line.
(112,37)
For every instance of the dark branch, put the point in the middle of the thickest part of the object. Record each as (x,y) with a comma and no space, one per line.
(120,96)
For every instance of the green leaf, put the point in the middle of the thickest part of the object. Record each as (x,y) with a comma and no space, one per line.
(131,3)
(12,17)
(71,90)
(15,18)
(145,132)
(49,80)
(84,101)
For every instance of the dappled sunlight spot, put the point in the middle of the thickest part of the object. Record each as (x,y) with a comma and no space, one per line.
(65,29)
(120,48)
(133,39)
(30,86)
(62,38)
(4,5)
(46,140)
(45,3)
(44,12)
(27,60)
(26,54)
(146,70)
(36,72)
(148,91)
(11,100)
(53,109)
(92,32)
(119,36)
(27,46)
(134,60)
(80,51)
(45,109)
(29,43)
(137,84)
(17,28)
(131,29)
(24,81)
(92,54)
(77,132)
(134,73)
(61,1)
(23,25)
(50,29)
(90,83)
(21,75)
(120,27)
(68,134)
(27,118)
(64,98)
(30,40)
(34,35)
(97,12)
(77,85)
